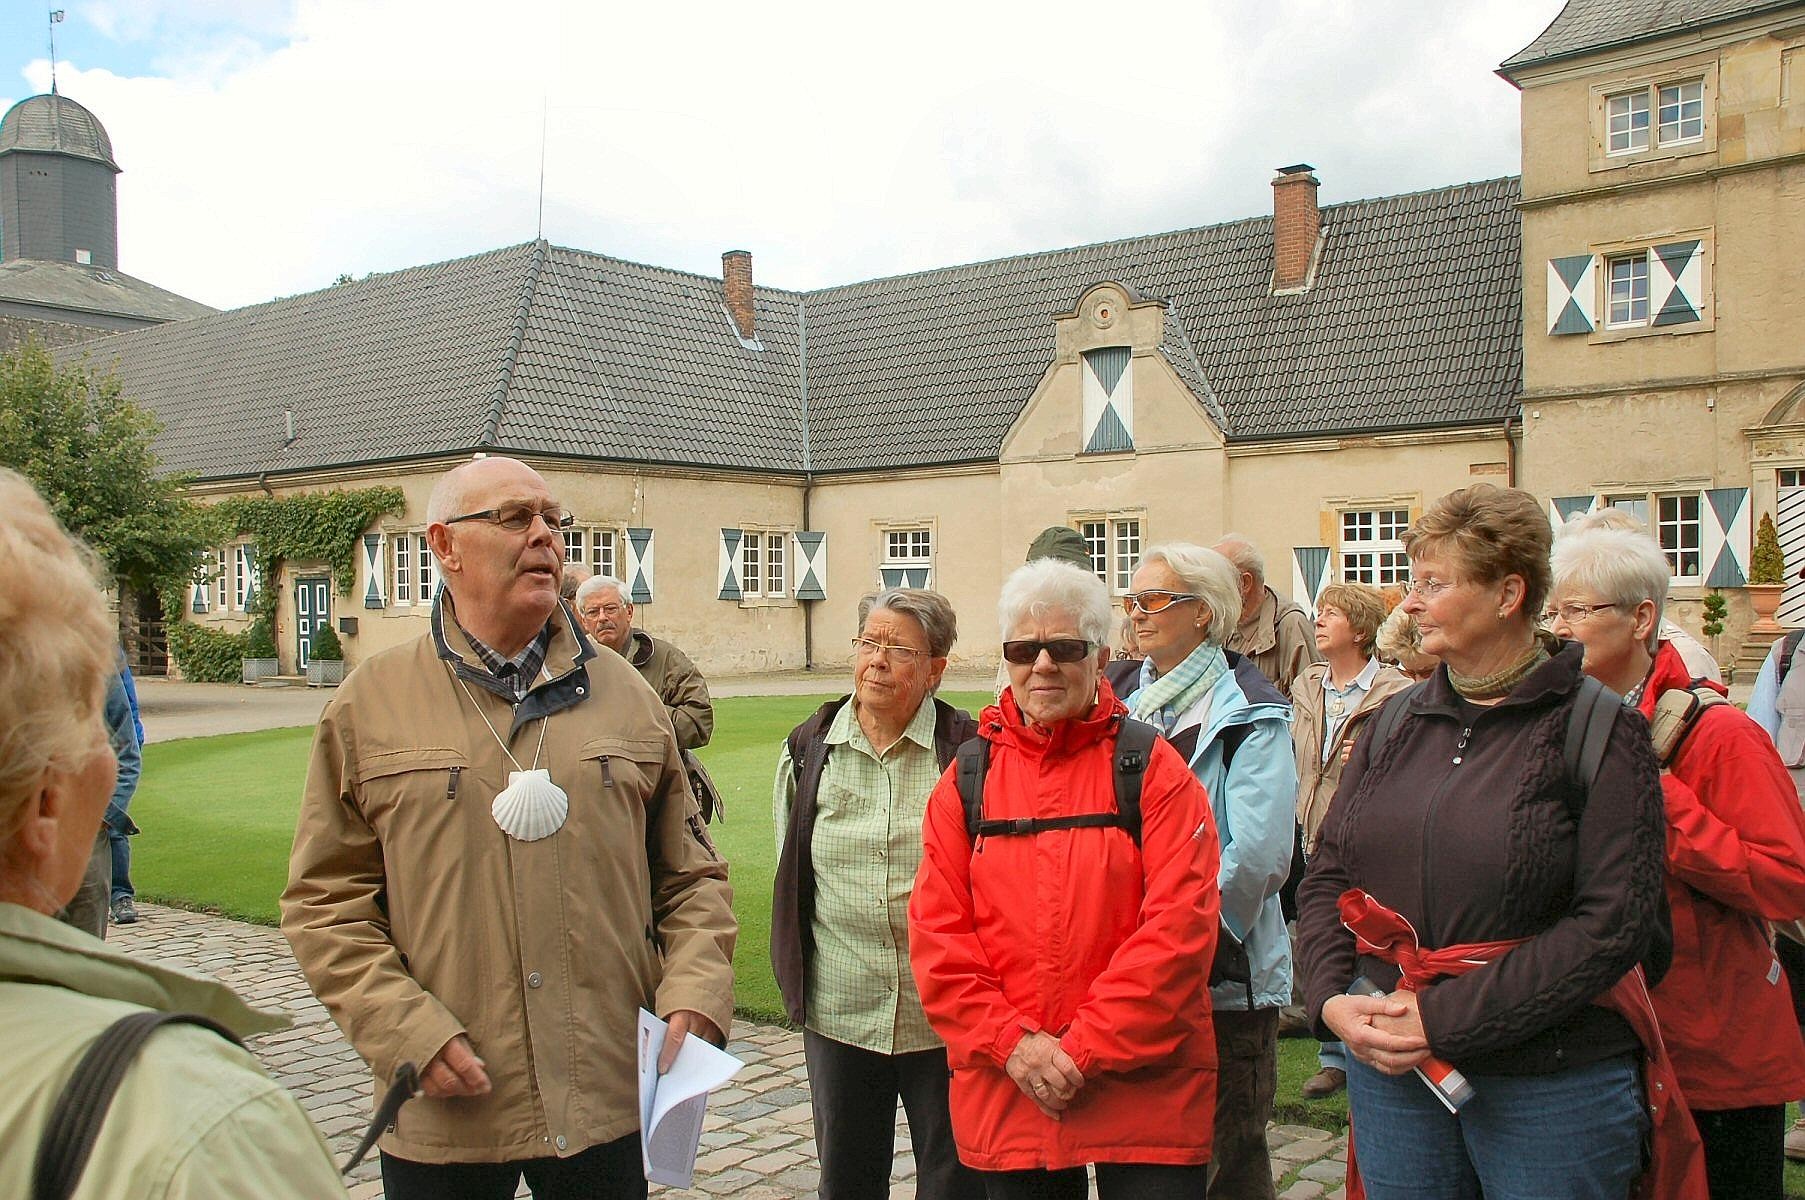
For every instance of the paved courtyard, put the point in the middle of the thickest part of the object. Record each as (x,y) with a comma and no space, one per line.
(758,1142)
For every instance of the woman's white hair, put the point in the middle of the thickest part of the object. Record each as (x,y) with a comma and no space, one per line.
(1051,585)
(1209,575)
(1618,565)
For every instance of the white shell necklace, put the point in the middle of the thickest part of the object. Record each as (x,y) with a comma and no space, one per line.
(531,806)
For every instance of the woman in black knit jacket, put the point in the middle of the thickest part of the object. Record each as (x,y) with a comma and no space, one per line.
(1465,822)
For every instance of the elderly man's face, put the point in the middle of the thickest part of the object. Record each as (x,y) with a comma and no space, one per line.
(608,618)
(512,576)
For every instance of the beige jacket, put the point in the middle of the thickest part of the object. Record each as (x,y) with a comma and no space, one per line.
(675,678)
(416,919)
(1281,641)
(1316,779)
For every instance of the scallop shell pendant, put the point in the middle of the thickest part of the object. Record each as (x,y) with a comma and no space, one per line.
(531,806)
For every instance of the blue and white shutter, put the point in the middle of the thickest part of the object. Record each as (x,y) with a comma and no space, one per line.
(1572,294)
(247,567)
(1676,280)
(811,565)
(1724,537)
(639,566)
(1309,574)
(375,573)
(200,592)
(1108,399)
(905,577)
(1562,509)
(729,571)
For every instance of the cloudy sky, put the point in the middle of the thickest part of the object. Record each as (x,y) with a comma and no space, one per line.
(270,145)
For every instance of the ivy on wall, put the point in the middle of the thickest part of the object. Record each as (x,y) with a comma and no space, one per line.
(323,526)
(310,526)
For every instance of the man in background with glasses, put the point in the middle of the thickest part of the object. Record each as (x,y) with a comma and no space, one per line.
(1275,633)
(498,863)
(607,616)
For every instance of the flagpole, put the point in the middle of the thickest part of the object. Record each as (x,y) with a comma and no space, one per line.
(56,15)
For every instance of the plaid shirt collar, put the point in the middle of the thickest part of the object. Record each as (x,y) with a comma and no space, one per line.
(517,674)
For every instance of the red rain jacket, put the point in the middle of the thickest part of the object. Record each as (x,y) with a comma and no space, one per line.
(1076,933)
(1735,856)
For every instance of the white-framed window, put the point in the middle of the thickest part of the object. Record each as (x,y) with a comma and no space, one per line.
(1372,546)
(1626,290)
(1679,527)
(1654,117)
(908,557)
(764,567)
(591,547)
(1114,544)
(1790,477)
(244,576)
(1635,504)
(1681,113)
(1626,122)
(416,570)
(221,582)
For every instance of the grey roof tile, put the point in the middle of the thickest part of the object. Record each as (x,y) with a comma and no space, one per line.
(92,289)
(1414,322)
(1587,25)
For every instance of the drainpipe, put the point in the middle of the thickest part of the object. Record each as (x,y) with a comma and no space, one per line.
(1510,455)
(808,474)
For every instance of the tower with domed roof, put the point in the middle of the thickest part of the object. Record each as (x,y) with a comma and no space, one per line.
(60,280)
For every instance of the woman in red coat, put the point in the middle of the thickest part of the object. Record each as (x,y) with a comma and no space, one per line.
(1066,967)
(1735,860)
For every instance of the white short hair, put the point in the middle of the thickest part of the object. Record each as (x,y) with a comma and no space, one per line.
(596,583)
(1623,567)
(1052,585)
(1211,576)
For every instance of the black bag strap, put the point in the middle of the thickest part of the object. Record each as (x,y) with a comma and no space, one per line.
(1390,715)
(76,1118)
(1134,746)
(1789,645)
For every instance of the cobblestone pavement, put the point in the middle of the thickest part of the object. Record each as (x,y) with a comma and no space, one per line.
(758,1143)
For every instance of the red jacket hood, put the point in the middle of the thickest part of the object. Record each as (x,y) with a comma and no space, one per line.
(1004,724)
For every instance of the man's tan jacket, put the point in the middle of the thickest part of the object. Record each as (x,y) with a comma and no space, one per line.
(415,918)
(678,683)
(1316,779)
(1281,641)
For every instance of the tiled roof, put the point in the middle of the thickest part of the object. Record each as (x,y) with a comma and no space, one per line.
(1587,25)
(105,290)
(1414,321)
(58,125)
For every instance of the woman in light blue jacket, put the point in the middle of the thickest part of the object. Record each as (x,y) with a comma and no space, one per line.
(1233,727)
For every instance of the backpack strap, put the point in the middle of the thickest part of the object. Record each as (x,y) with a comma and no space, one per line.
(1134,746)
(1390,716)
(79,1111)
(1677,712)
(1789,646)
(1589,725)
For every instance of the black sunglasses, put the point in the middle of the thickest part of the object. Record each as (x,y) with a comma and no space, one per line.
(1060,650)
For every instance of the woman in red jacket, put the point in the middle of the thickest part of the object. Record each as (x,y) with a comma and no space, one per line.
(1735,859)
(1064,964)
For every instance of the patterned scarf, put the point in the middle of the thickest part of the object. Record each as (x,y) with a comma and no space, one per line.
(1162,699)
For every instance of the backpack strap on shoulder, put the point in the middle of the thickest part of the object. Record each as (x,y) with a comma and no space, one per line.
(1134,746)
(971,765)
(1676,713)
(1589,725)
(76,1118)
(1390,715)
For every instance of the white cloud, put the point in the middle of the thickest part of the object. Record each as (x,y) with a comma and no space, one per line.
(836,142)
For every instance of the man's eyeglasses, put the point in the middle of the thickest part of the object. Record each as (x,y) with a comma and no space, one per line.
(1060,650)
(902,656)
(1429,589)
(1153,601)
(1573,614)
(516,517)
(604,610)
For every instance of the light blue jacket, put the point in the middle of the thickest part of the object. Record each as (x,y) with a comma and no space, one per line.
(1254,802)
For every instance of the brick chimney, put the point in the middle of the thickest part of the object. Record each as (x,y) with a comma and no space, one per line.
(1296,223)
(736,282)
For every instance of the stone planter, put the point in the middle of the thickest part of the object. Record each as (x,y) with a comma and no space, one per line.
(256,669)
(1765,599)
(325,672)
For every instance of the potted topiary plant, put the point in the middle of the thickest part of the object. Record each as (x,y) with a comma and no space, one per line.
(260,652)
(325,659)
(1767,577)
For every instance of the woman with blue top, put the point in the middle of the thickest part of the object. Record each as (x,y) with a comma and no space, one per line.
(1233,728)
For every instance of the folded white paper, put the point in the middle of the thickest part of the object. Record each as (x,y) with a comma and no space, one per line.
(672,1105)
